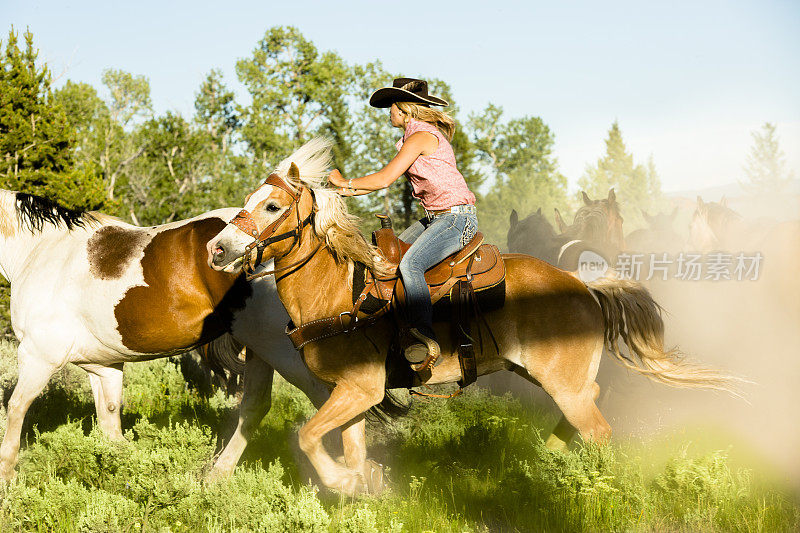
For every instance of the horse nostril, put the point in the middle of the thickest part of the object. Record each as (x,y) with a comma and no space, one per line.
(218,253)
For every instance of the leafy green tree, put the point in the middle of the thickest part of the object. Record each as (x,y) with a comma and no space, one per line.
(36,139)
(130,100)
(372,139)
(106,142)
(637,186)
(297,91)
(165,184)
(231,176)
(518,156)
(766,164)
(216,111)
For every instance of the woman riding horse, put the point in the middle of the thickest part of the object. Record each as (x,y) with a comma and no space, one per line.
(426,157)
(552,329)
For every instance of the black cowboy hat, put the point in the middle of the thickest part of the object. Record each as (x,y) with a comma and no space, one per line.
(405,90)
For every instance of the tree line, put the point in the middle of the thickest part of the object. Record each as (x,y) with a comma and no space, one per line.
(105,148)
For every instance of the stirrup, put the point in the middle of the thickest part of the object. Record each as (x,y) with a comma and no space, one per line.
(413,352)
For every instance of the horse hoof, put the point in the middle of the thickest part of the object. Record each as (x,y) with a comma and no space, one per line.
(351,484)
(375,474)
(216,475)
(7,476)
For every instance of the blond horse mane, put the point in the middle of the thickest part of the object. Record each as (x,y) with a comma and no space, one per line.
(332,221)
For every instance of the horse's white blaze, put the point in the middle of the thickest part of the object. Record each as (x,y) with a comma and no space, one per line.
(234,240)
(261,194)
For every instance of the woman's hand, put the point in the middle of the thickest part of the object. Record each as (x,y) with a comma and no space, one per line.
(335,178)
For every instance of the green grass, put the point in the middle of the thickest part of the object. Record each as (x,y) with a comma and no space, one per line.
(473,463)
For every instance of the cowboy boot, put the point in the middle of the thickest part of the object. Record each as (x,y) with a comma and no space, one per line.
(424,354)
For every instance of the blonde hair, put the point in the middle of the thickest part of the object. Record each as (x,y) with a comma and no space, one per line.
(440,119)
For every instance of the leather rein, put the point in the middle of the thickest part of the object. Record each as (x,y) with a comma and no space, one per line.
(244,221)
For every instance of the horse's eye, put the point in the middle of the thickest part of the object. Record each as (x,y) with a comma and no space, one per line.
(272,208)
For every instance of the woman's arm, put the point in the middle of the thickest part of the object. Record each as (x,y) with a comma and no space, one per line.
(344,191)
(417,144)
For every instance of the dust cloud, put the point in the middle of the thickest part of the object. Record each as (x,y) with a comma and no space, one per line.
(748,328)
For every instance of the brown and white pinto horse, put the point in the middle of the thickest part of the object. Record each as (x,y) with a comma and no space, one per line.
(552,330)
(92,290)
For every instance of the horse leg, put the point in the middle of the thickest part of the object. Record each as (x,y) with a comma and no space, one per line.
(563,432)
(581,412)
(106,384)
(354,443)
(256,401)
(346,405)
(575,395)
(33,377)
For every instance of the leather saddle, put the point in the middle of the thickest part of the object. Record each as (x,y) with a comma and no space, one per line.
(478,263)
(471,279)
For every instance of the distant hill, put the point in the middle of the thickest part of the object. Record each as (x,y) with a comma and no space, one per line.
(730,190)
(784,207)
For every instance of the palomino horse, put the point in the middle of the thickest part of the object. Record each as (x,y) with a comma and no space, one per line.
(92,290)
(715,226)
(551,331)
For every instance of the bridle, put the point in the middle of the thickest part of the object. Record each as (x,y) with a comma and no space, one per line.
(244,221)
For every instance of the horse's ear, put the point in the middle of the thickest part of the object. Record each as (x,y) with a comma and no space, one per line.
(560,221)
(514,218)
(612,196)
(294,172)
(647,217)
(586,198)
(700,201)
(723,201)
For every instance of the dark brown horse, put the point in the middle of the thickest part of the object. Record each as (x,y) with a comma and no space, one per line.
(597,222)
(597,228)
(552,329)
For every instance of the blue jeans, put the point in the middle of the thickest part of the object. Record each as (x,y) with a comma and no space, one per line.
(432,240)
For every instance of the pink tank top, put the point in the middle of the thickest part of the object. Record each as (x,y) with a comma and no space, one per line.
(434,178)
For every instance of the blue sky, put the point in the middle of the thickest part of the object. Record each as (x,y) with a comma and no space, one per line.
(687,81)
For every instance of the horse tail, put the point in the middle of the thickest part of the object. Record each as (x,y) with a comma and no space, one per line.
(389,409)
(223,353)
(631,312)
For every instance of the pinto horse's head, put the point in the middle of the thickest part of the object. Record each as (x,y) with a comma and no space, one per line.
(268,226)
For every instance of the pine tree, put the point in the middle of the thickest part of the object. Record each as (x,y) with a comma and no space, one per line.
(766,165)
(36,139)
(638,187)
